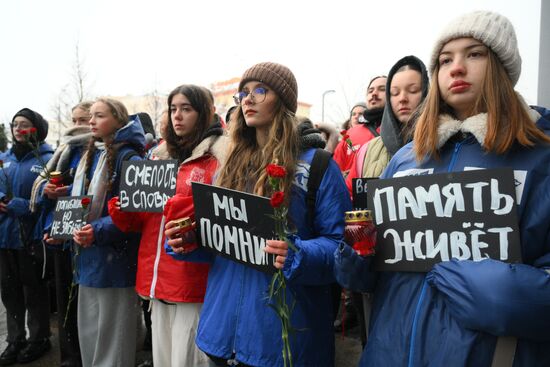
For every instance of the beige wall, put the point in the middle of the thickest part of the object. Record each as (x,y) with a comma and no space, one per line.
(225,90)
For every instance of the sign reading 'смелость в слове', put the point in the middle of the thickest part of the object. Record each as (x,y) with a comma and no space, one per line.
(234,224)
(423,220)
(145,186)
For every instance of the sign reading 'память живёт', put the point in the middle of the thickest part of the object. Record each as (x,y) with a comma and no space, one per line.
(234,224)
(423,220)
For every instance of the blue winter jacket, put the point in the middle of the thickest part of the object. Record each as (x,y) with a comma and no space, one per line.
(48,205)
(452,315)
(111,261)
(20,178)
(236,317)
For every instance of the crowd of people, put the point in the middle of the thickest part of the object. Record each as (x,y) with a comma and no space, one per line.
(460,112)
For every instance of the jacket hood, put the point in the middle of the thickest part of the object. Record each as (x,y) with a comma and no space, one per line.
(309,136)
(391,128)
(544,120)
(332,135)
(132,133)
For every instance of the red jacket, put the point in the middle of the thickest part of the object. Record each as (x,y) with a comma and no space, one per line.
(343,154)
(158,274)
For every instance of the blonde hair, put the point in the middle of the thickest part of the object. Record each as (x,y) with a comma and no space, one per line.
(507,119)
(245,167)
(85,106)
(120,113)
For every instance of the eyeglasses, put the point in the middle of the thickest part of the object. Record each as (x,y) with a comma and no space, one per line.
(257,95)
(20,126)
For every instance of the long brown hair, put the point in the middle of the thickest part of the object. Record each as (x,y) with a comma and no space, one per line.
(120,113)
(244,169)
(507,118)
(181,148)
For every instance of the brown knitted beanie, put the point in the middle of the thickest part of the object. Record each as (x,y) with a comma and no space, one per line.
(276,76)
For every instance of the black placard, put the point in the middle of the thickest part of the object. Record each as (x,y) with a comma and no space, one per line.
(423,220)
(145,186)
(234,224)
(68,216)
(359,192)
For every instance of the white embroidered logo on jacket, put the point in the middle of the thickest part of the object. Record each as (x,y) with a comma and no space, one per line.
(36,169)
(197,175)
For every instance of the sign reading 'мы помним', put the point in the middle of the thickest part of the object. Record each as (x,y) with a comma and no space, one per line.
(145,186)
(68,216)
(423,220)
(234,224)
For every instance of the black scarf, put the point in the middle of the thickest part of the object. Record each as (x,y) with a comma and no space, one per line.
(374,116)
(20,150)
(310,137)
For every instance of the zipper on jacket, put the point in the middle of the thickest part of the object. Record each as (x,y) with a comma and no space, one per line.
(239,305)
(415,321)
(157,259)
(454,156)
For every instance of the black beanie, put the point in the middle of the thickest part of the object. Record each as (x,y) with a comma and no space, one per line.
(37,121)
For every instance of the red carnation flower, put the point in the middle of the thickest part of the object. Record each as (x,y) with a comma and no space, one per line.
(32,130)
(24,132)
(343,132)
(345,137)
(274,170)
(85,202)
(277,199)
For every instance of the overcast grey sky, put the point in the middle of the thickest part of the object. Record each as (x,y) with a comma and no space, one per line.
(132,47)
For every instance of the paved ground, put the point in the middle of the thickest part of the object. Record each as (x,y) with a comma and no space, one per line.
(348,348)
(51,359)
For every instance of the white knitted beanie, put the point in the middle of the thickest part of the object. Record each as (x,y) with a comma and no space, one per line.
(493,30)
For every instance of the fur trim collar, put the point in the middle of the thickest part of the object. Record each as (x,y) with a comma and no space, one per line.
(215,145)
(448,127)
(160,152)
(475,125)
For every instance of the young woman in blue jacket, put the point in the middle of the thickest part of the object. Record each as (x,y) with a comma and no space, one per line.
(236,322)
(24,289)
(466,313)
(106,257)
(65,160)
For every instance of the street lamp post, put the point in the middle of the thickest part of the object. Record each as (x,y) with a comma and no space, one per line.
(323,103)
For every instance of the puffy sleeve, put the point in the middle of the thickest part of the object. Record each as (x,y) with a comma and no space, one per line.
(125,221)
(312,263)
(500,298)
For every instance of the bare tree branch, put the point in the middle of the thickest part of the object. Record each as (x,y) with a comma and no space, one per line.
(71,94)
(79,76)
